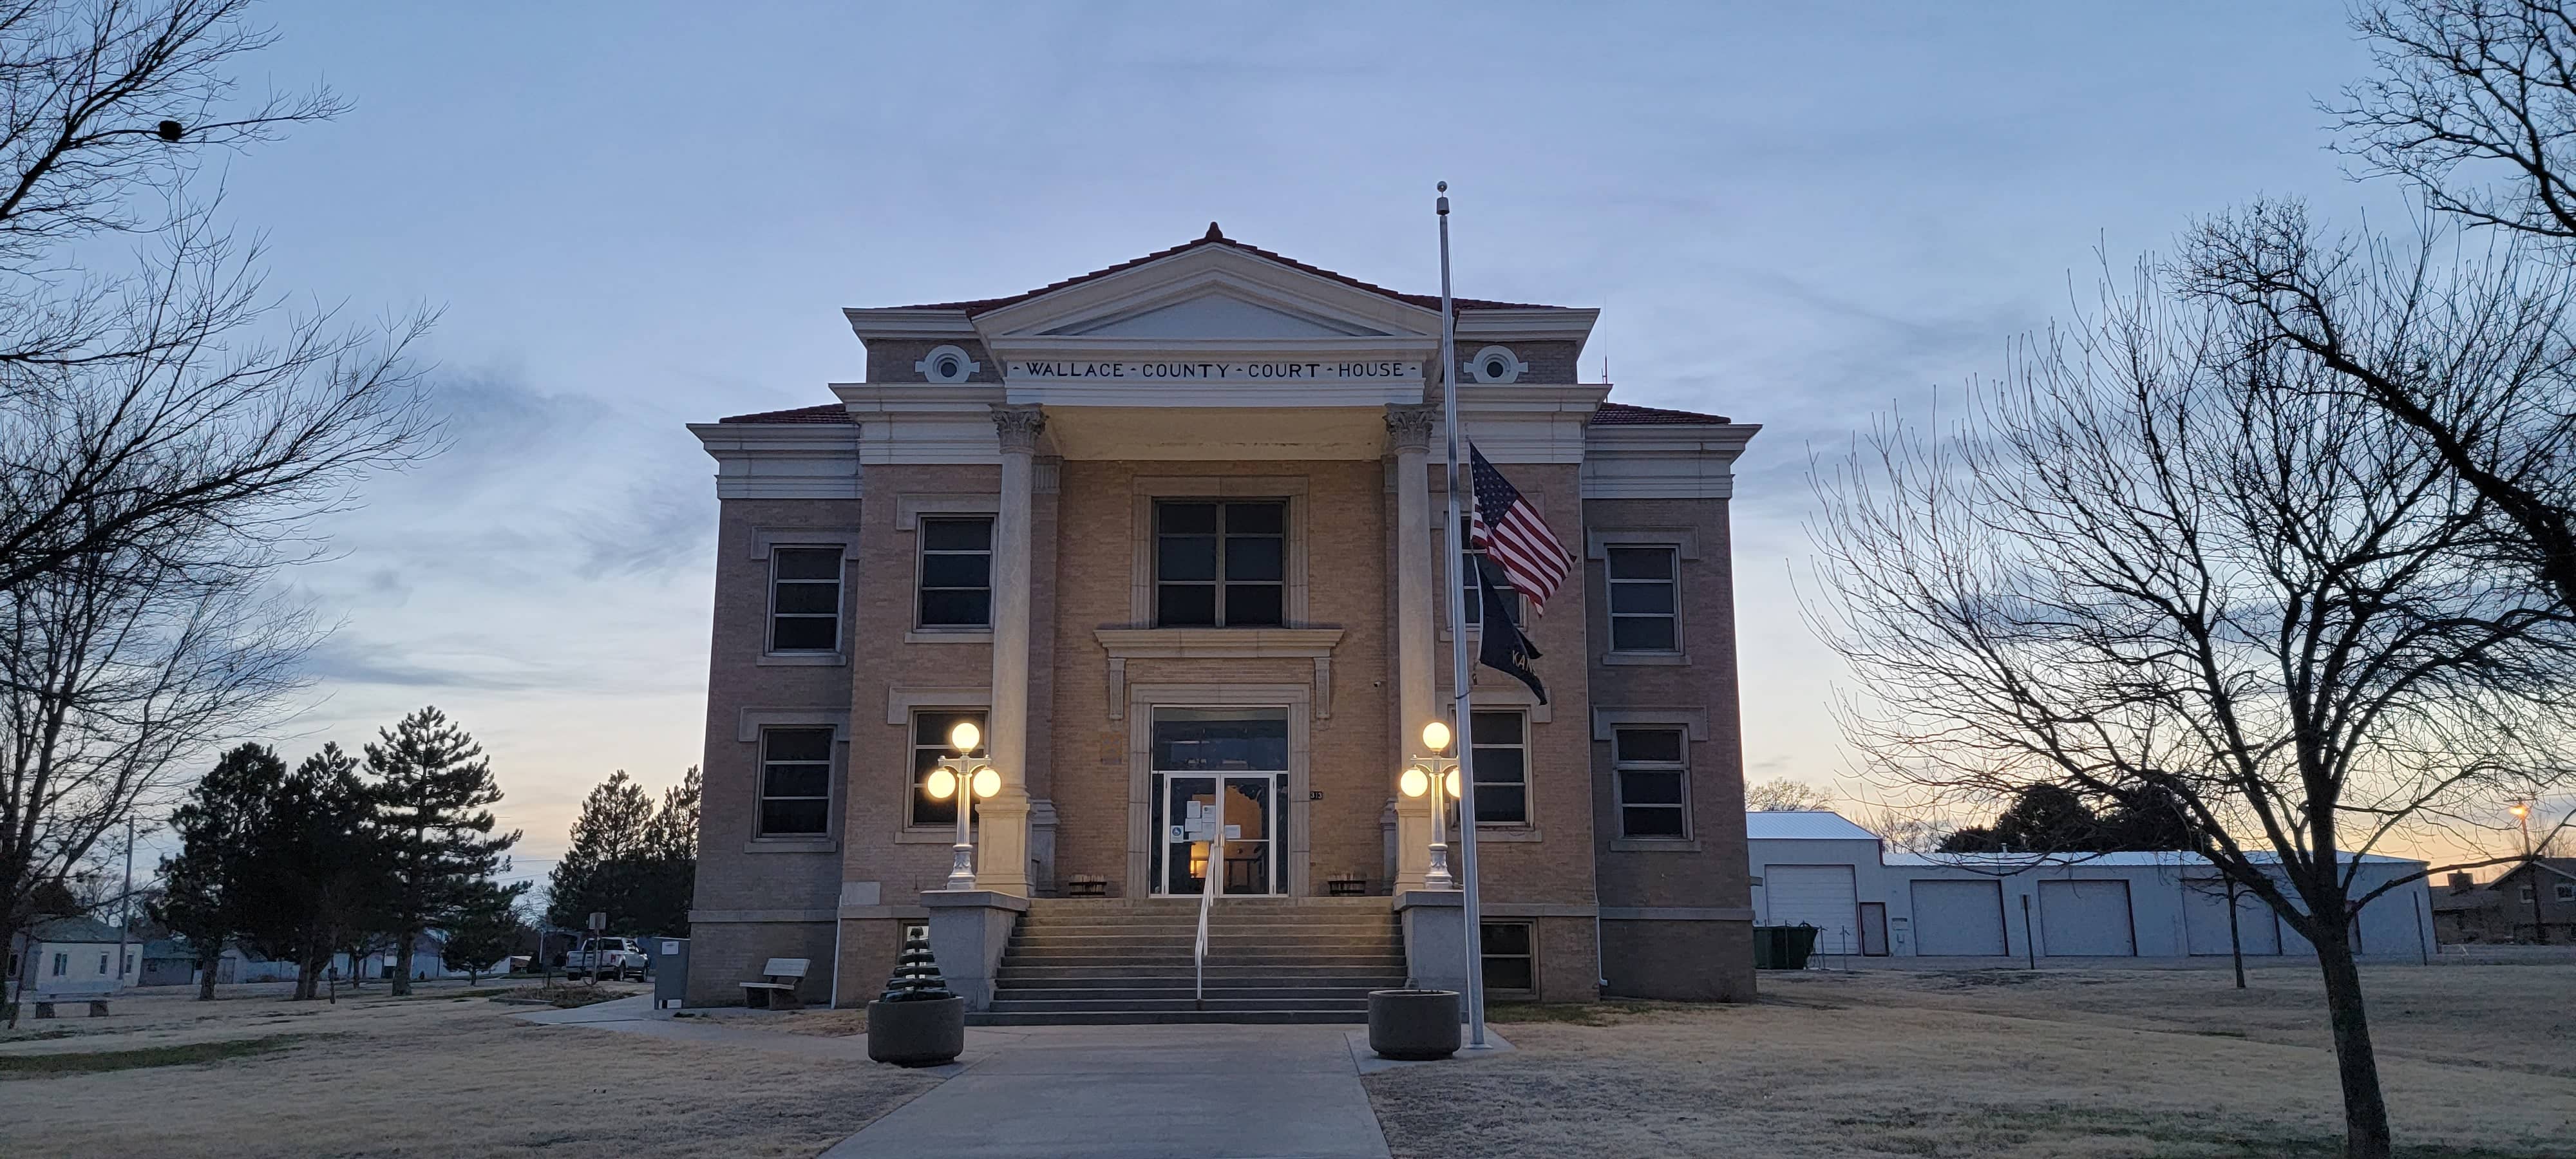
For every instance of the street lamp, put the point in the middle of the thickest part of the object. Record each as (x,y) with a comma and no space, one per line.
(1435,775)
(968,781)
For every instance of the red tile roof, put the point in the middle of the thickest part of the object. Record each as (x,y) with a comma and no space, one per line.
(1217,237)
(1620,414)
(830,412)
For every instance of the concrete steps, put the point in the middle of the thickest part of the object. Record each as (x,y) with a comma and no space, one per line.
(1093,961)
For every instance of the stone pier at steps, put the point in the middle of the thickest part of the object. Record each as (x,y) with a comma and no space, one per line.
(1108,961)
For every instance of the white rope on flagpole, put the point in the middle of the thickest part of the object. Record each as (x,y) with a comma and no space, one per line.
(1461,677)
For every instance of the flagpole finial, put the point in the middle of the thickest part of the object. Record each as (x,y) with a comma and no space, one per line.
(1444,199)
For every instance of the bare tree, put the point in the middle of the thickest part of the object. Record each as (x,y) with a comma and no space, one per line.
(2474,104)
(176,407)
(2167,562)
(115,675)
(167,427)
(1782,795)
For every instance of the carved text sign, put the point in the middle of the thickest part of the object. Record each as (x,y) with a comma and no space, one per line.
(1196,370)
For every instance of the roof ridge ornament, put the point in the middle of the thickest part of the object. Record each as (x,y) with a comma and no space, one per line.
(1213,233)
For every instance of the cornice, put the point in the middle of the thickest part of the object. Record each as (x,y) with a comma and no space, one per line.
(907,323)
(782,461)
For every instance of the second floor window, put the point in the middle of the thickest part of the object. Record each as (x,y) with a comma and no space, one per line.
(957,572)
(1475,601)
(1221,564)
(804,599)
(1644,605)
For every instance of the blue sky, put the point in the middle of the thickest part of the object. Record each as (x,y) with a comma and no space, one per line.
(637,215)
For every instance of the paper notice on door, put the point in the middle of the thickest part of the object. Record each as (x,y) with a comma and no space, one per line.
(1178,833)
(1234,832)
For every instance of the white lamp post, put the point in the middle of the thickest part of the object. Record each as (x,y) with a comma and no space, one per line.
(1436,775)
(968,781)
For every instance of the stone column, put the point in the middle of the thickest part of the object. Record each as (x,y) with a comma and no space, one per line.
(1408,434)
(1002,843)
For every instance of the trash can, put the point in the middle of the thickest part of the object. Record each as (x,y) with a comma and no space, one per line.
(1766,947)
(1796,943)
(668,958)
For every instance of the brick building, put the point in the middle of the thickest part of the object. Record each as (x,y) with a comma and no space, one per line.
(1168,532)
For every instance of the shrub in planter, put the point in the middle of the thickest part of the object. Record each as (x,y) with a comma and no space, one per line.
(917,1021)
(1413,1024)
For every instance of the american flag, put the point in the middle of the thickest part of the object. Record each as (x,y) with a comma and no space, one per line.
(1517,537)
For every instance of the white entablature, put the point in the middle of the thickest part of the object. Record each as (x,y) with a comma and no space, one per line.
(1213,326)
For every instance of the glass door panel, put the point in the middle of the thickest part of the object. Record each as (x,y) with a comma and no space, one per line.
(1250,802)
(1181,804)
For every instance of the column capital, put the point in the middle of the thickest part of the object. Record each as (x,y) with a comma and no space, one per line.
(1409,425)
(1019,424)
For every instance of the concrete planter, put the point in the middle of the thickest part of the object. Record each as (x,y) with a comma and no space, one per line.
(1413,1024)
(917,1033)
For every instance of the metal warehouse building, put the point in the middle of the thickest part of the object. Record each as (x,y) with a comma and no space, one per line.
(1819,869)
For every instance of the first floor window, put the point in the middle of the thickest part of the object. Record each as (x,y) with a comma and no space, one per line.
(1644,605)
(1511,960)
(2526,894)
(62,964)
(929,744)
(804,599)
(795,782)
(1502,768)
(2566,891)
(1652,782)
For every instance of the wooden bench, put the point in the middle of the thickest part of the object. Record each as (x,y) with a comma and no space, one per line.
(1346,885)
(1086,885)
(778,990)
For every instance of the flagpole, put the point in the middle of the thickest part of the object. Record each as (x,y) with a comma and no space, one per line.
(1461,677)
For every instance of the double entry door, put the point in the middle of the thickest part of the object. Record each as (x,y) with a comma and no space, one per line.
(1219,801)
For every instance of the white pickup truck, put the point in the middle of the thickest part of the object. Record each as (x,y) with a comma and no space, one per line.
(607,958)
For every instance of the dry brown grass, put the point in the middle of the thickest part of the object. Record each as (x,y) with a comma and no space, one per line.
(2479,1063)
(431,1075)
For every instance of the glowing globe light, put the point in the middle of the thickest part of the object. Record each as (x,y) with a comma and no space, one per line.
(1415,782)
(965,738)
(1435,736)
(987,782)
(941,784)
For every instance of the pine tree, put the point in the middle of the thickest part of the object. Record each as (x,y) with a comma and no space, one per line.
(328,867)
(606,863)
(672,848)
(485,929)
(433,792)
(916,975)
(209,888)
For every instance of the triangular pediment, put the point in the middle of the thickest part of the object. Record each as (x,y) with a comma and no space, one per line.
(1215,314)
(1209,293)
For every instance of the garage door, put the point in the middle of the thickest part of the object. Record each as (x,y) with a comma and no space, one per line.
(2085,919)
(1955,919)
(1816,895)
(2204,919)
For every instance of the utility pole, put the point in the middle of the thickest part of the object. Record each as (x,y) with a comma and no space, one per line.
(125,904)
(2539,928)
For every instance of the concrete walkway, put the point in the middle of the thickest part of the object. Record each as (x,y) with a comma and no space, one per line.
(1140,1092)
(1090,1092)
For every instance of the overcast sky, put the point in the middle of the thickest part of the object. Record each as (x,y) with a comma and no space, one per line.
(639,215)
